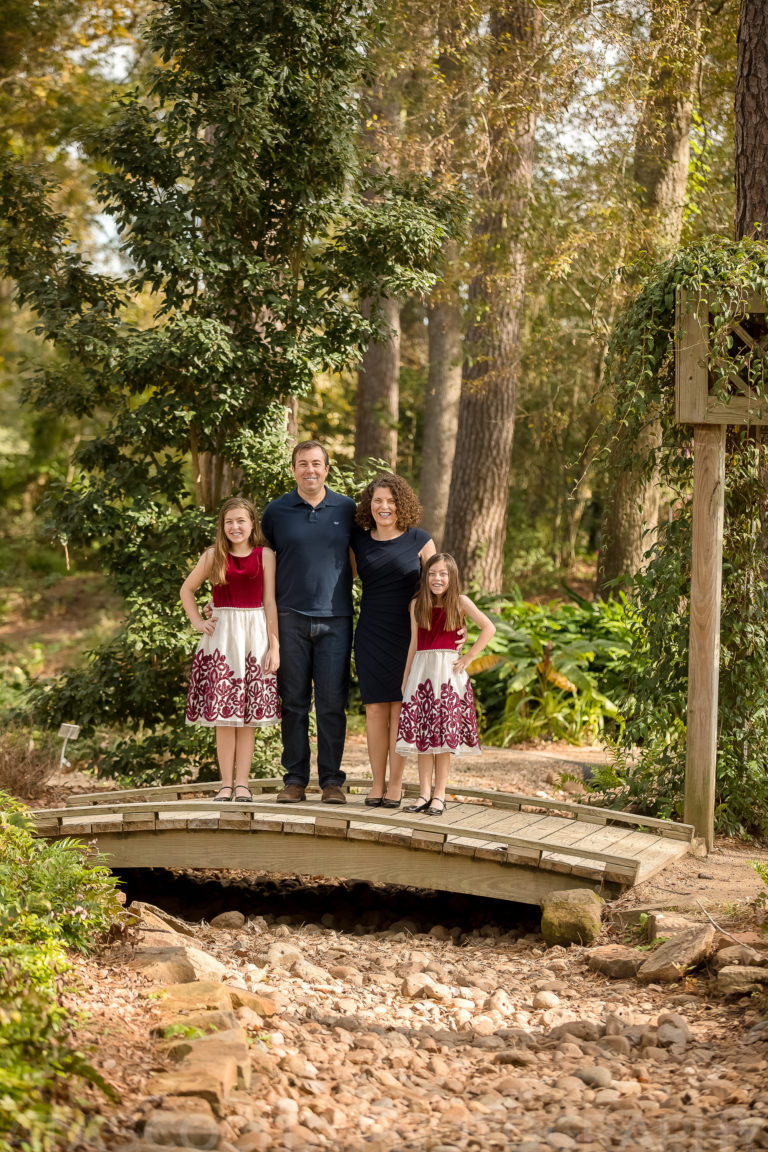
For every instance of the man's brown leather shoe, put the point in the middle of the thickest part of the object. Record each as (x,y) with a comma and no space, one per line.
(291,794)
(333,795)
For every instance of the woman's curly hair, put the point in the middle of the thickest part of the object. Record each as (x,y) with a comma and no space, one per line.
(406,501)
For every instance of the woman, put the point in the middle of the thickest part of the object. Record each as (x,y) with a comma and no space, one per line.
(389,552)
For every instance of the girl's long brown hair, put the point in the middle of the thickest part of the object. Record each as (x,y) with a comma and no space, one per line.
(425,600)
(221,544)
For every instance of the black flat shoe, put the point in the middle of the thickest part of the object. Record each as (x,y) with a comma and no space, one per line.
(390,803)
(219,799)
(421,806)
(432,810)
(373,801)
(243,799)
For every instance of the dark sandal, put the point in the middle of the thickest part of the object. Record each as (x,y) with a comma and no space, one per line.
(242,799)
(219,799)
(432,811)
(419,807)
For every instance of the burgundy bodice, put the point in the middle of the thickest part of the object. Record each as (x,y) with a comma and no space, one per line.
(436,635)
(245,582)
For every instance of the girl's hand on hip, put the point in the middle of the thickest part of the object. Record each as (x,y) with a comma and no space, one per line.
(462,664)
(207,626)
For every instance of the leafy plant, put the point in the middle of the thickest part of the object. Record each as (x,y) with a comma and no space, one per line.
(52,897)
(551,671)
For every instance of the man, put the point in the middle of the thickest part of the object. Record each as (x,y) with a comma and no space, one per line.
(310,529)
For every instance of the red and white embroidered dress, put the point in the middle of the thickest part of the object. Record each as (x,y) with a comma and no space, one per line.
(228,687)
(438,712)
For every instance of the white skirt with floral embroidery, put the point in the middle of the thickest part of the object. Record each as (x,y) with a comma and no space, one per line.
(228,687)
(438,712)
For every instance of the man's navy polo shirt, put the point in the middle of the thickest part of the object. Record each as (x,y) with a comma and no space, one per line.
(314,575)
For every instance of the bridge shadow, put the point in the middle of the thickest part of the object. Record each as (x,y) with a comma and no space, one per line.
(351,907)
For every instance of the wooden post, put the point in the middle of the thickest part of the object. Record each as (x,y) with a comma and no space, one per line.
(704,654)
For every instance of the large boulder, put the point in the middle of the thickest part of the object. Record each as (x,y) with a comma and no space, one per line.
(681,952)
(177,965)
(571,917)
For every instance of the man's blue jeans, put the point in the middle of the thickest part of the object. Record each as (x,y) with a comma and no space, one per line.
(314,650)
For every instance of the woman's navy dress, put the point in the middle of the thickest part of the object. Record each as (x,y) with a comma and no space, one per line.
(389,571)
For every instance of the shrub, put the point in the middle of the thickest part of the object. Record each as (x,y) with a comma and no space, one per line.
(52,897)
(28,759)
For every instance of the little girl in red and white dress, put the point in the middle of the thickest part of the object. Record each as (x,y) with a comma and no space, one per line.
(233,686)
(438,718)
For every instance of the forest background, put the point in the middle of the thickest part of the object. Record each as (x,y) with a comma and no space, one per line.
(413,231)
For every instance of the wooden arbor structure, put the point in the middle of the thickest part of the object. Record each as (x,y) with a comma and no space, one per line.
(710,409)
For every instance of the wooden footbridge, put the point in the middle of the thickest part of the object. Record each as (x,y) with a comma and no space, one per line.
(498,844)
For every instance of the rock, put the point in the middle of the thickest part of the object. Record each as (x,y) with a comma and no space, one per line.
(216,1051)
(211,1021)
(180,965)
(672,1029)
(581,1029)
(213,1085)
(739,980)
(157,917)
(414,985)
(283,955)
(174,999)
(673,959)
(304,970)
(242,998)
(483,1025)
(667,924)
(619,1045)
(595,1076)
(546,1000)
(571,916)
(182,1129)
(740,954)
(616,961)
(231,919)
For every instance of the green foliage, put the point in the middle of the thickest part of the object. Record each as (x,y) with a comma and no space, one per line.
(552,671)
(641,375)
(52,897)
(252,229)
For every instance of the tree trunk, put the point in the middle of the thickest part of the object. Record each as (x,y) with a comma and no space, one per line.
(441,411)
(751,126)
(378,394)
(477,508)
(660,169)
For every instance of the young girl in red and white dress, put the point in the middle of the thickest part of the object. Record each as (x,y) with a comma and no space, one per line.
(233,687)
(438,718)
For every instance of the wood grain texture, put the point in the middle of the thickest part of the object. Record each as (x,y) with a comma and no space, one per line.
(304,855)
(704,650)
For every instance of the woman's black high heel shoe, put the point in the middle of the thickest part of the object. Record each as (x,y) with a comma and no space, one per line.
(390,803)
(432,810)
(374,801)
(420,806)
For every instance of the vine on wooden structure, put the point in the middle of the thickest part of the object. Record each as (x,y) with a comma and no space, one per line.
(640,379)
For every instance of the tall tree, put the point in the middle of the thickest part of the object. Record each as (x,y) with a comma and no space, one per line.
(237,190)
(660,170)
(477,509)
(751,121)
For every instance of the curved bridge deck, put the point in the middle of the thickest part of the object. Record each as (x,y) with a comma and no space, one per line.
(497,844)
